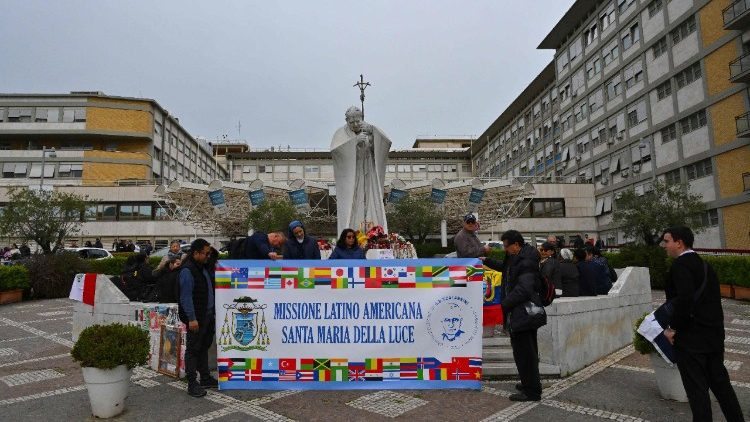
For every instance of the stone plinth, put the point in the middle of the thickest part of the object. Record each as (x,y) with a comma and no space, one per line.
(582,330)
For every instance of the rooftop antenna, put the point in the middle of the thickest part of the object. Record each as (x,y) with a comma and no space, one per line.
(239,129)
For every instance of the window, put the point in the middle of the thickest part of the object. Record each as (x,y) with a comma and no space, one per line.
(581,111)
(101,212)
(158,129)
(595,100)
(683,30)
(634,73)
(575,49)
(689,75)
(623,5)
(403,168)
(631,36)
(636,113)
(593,67)
(19,115)
(664,90)
(610,52)
(668,134)
(613,87)
(607,17)
(709,218)
(562,62)
(549,208)
(565,92)
(590,34)
(672,177)
(135,211)
(659,47)
(653,8)
(700,169)
(693,122)
(567,120)
(36,170)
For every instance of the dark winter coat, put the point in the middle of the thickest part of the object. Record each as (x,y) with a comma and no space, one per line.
(308,249)
(345,253)
(521,283)
(569,279)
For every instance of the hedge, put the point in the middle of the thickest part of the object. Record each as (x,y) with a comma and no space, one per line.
(729,269)
(13,277)
(51,276)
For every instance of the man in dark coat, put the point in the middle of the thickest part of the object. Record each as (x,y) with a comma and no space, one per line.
(197,311)
(264,246)
(521,281)
(697,328)
(299,245)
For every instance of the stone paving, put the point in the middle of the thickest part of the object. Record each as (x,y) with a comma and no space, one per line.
(39,381)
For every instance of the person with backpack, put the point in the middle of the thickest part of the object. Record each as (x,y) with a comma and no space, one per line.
(549,266)
(167,283)
(299,245)
(522,309)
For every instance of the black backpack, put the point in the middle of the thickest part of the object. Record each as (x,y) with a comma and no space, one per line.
(237,248)
(547,292)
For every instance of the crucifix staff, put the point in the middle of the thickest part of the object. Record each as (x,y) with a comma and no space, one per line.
(362,85)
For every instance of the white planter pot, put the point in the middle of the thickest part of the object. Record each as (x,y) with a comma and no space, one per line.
(108,389)
(668,379)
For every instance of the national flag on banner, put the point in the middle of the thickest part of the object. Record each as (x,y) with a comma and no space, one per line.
(270,375)
(322,375)
(391,376)
(321,272)
(256,277)
(254,363)
(356,374)
(287,375)
(322,281)
(272,283)
(474,273)
(254,375)
(390,273)
(322,363)
(305,375)
(339,373)
(407,277)
(288,283)
(439,374)
(458,374)
(84,288)
(307,364)
(374,364)
(475,362)
(428,363)
(306,283)
(339,362)
(339,283)
(239,277)
(391,364)
(270,364)
(424,271)
(440,273)
(288,364)
(223,277)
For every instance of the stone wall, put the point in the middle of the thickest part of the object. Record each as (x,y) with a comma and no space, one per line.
(582,330)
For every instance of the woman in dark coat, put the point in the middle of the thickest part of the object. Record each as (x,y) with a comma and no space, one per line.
(299,245)
(568,274)
(587,272)
(347,247)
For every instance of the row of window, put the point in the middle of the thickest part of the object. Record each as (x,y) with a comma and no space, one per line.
(544,208)
(43,114)
(125,212)
(34,170)
(693,171)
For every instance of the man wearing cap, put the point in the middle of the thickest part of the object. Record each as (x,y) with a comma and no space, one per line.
(299,245)
(466,241)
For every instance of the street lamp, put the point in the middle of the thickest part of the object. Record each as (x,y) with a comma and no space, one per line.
(52,154)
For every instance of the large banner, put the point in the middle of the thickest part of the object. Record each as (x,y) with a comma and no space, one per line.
(349,324)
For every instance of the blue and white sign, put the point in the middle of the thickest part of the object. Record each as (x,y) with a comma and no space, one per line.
(299,198)
(217,200)
(257,197)
(396,195)
(438,196)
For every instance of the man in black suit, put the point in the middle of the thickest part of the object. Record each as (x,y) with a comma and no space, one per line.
(697,328)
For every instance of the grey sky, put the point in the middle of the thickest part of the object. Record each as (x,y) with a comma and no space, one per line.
(285,69)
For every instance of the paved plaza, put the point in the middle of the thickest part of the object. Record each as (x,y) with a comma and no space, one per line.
(39,381)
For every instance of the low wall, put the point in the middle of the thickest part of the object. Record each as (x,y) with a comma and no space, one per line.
(582,330)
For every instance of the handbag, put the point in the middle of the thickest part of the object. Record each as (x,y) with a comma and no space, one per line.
(665,313)
(527,316)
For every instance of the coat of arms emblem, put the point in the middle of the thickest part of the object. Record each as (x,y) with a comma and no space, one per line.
(244,326)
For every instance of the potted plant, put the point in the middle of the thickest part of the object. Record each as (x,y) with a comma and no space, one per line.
(13,280)
(668,378)
(108,354)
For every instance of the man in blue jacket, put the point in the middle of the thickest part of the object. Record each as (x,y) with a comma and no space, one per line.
(197,311)
(299,245)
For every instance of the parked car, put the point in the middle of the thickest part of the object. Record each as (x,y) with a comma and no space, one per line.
(89,253)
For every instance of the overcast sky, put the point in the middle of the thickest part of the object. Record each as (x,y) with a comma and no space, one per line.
(285,69)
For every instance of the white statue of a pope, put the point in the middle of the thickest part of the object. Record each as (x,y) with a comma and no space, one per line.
(360,153)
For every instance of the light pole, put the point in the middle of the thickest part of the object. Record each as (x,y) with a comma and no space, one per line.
(52,154)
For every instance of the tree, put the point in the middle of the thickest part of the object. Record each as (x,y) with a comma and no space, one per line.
(273,215)
(644,217)
(46,217)
(415,216)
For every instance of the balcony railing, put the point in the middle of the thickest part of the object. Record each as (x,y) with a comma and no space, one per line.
(743,124)
(739,66)
(735,13)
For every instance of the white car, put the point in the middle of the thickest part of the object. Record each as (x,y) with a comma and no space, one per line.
(90,253)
